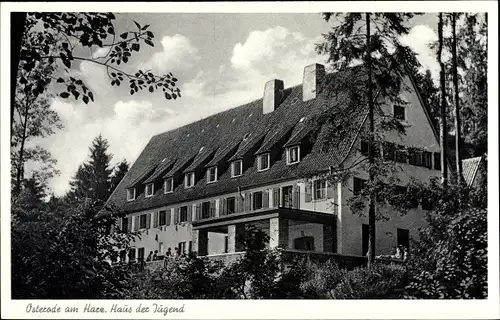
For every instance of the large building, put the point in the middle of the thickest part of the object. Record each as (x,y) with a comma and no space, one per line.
(196,187)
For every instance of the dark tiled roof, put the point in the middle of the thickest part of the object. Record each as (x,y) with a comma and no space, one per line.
(200,158)
(470,168)
(225,132)
(140,178)
(160,170)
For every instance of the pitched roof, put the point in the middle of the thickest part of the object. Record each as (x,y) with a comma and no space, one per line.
(470,168)
(224,132)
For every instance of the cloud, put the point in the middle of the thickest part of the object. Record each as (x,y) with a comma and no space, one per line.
(419,40)
(178,53)
(275,52)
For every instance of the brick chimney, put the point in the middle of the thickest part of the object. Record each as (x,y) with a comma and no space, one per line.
(312,81)
(273,93)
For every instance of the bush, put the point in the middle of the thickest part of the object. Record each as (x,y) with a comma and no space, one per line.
(451,264)
(381,281)
(321,279)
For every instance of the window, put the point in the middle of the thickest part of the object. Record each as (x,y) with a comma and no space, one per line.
(237,168)
(319,189)
(226,244)
(403,238)
(415,157)
(140,256)
(364,146)
(263,162)
(293,155)
(163,218)
(359,185)
(189,180)
(205,210)
(231,205)
(212,174)
(401,155)
(183,216)
(288,197)
(399,112)
(150,189)
(389,151)
(427,159)
(124,224)
(365,234)
(168,185)
(130,194)
(257,200)
(182,247)
(131,254)
(142,221)
(123,255)
(437,160)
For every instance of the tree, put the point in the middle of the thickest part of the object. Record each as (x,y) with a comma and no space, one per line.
(51,39)
(443,129)
(67,254)
(473,61)
(458,127)
(373,40)
(120,171)
(33,119)
(93,178)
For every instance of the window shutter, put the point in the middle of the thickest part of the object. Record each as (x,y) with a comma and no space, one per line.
(148,221)
(308,196)
(212,209)
(198,211)
(276,198)
(176,215)
(136,223)
(222,207)
(190,213)
(120,224)
(248,201)
(239,204)
(265,199)
(296,196)
(129,226)
(330,190)
(169,217)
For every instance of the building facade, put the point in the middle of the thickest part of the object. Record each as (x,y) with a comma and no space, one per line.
(195,188)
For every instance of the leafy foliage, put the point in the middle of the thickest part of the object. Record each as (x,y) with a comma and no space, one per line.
(381,281)
(451,264)
(52,38)
(66,254)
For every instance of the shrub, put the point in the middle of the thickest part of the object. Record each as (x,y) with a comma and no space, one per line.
(381,281)
(451,264)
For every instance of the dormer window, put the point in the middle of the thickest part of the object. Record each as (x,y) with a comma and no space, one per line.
(150,189)
(189,180)
(212,174)
(168,185)
(293,155)
(130,194)
(263,162)
(236,168)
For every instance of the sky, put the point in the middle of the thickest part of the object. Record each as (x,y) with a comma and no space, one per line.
(221,61)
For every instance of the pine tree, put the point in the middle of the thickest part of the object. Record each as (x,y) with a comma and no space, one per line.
(371,39)
(121,170)
(93,178)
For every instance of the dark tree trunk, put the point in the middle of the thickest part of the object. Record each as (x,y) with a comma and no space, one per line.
(371,205)
(458,134)
(443,127)
(17,21)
